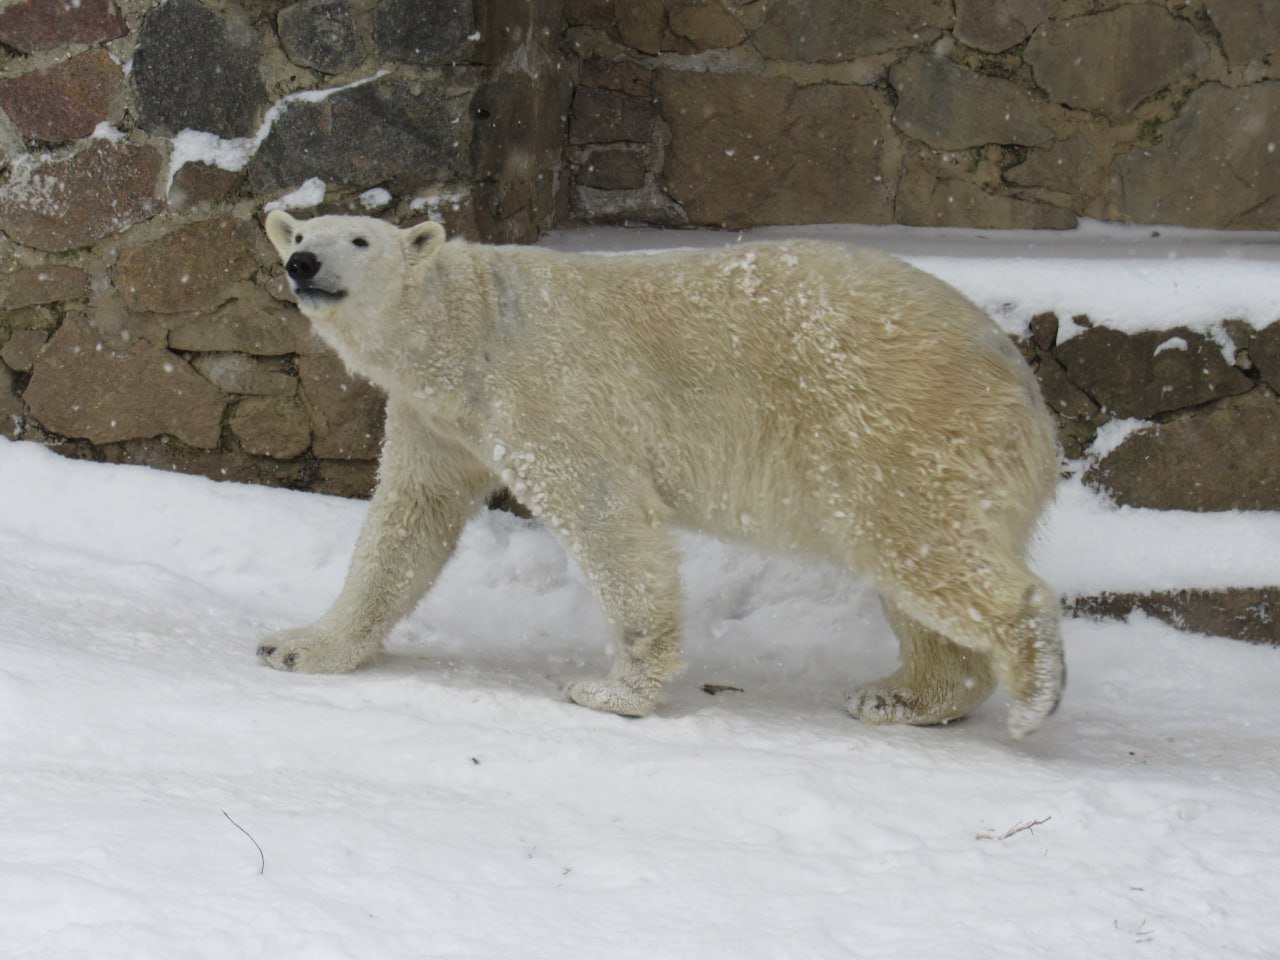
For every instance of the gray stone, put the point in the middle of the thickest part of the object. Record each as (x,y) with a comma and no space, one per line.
(194,69)
(757,150)
(1112,61)
(1220,458)
(364,136)
(1063,396)
(425,31)
(347,413)
(1216,164)
(240,373)
(1264,351)
(22,349)
(952,108)
(994,27)
(275,427)
(1241,613)
(257,325)
(924,200)
(834,30)
(1149,373)
(320,35)
(1250,29)
(83,387)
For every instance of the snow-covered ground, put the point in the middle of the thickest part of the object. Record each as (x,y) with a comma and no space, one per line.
(444,803)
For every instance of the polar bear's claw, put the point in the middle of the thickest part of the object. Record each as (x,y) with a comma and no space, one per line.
(301,651)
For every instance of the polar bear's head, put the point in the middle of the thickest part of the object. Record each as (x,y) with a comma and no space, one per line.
(339,264)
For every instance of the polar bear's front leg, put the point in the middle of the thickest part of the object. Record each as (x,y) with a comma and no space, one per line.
(633,567)
(428,487)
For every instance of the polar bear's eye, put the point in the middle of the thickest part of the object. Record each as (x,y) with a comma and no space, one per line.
(360,242)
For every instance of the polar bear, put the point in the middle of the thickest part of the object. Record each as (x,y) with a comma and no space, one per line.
(802,396)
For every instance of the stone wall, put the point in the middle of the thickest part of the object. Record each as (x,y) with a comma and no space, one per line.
(144,319)
(1022,113)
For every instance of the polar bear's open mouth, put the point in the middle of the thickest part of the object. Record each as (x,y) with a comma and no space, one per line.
(304,292)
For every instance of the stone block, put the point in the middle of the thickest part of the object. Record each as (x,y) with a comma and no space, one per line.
(837,30)
(66,101)
(1063,396)
(759,150)
(1077,165)
(1241,613)
(173,80)
(1223,457)
(995,27)
(924,200)
(612,170)
(50,283)
(83,387)
(952,108)
(12,410)
(246,375)
(24,346)
(193,268)
(34,25)
(706,24)
(1264,351)
(319,35)
(606,116)
(1149,373)
(347,413)
(346,478)
(425,31)
(257,325)
(275,427)
(199,183)
(1112,61)
(57,205)
(363,137)
(1250,29)
(623,76)
(1221,152)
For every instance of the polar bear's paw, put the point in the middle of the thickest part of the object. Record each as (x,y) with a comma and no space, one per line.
(627,696)
(307,650)
(887,703)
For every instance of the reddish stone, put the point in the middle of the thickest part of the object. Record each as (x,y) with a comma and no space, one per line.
(82,387)
(346,412)
(63,204)
(64,102)
(51,283)
(192,268)
(42,24)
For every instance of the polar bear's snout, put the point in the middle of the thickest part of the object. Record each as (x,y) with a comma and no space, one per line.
(302,266)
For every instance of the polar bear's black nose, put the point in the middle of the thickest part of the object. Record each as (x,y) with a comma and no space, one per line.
(302,265)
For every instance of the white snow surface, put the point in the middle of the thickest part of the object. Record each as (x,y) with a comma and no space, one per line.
(444,802)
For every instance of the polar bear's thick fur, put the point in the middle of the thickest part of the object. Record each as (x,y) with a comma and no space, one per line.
(802,396)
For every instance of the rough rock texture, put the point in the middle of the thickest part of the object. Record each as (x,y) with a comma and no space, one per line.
(1221,151)
(1248,28)
(1264,352)
(1222,459)
(320,34)
(994,27)
(762,151)
(1111,61)
(1151,372)
(1248,613)
(171,96)
(272,426)
(64,102)
(52,283)
(928,201)
(952,108)
(834,30)
(193,268)
(34,25)
(256,326)
(425,31)
(389,129)
(24,346)
(82,387)
(243,374)
(347,413)
(57,205)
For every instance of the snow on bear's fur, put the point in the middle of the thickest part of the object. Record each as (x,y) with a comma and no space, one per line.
(802,396)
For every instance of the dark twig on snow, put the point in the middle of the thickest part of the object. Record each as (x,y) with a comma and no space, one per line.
(714,688)
(262,857)
(1016,828)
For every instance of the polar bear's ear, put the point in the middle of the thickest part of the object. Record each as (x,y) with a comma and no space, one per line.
(424,240)
(281,229)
